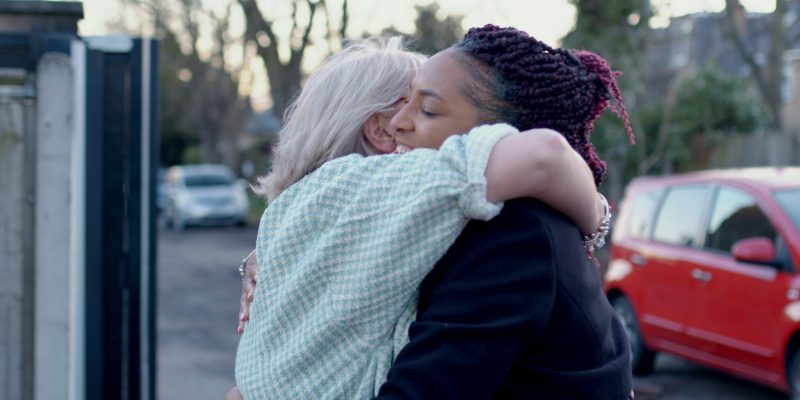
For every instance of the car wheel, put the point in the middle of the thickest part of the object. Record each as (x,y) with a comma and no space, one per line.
(793,376)
(178,223)
(642,358)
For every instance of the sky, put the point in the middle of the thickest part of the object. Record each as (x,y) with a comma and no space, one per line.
(547,20)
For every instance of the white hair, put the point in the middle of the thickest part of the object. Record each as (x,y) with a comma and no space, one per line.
(327,118)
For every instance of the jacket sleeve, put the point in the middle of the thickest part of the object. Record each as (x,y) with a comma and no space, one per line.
(484,302)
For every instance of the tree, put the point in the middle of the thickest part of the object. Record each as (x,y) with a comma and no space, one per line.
(200,99)
(709,106)
(619,31)
(433,33)
(769,75)
(286,75)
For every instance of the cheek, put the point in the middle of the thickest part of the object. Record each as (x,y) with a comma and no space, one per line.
(435,134)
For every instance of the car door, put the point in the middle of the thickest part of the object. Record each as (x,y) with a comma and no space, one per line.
(738,306)
(667,266)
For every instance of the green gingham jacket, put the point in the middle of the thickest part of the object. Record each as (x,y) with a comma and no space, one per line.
(342,253)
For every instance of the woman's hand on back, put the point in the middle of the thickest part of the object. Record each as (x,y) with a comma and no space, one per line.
(249,281)
(234,394)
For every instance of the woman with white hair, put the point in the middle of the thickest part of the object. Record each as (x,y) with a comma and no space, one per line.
(347,239)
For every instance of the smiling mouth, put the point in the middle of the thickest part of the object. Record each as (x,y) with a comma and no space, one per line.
(401,148)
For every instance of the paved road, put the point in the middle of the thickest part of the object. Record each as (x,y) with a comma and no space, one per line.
(198,294)
(198,301)
(675,379)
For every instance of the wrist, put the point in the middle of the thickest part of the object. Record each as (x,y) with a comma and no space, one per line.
(243,265)
(597,240)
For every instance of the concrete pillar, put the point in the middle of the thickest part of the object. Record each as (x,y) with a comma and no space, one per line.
(52,226)
(10,246)
(16,103)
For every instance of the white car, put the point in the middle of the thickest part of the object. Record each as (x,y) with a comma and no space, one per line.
(204,194)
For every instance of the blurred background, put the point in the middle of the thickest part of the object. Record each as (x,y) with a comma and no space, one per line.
(708,84)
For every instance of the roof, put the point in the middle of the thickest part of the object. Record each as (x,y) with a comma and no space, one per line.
(265,123)
(770,177)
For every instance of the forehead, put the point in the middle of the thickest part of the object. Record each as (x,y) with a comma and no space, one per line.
(442,73)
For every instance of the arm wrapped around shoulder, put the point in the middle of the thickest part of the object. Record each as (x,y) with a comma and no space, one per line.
(540,164)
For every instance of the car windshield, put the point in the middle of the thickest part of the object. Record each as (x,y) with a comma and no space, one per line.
(790,202)
(204,180)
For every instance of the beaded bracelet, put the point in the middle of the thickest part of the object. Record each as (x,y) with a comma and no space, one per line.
(597,240)
(242,265)
(241,268)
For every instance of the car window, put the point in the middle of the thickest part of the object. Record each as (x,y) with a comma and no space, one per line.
(202,180)
(735,216)
(790,202)
(643,207)
(681,214)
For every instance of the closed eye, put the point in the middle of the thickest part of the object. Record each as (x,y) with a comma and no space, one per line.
(428,113)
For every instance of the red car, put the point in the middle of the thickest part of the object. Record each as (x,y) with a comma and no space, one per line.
(706,266)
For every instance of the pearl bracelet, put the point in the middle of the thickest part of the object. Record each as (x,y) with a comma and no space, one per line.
(242,265)
(597,240)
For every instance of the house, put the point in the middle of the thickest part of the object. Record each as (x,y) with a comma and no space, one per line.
(694,40)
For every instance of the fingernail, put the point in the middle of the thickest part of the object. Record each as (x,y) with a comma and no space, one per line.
(239,329)
(250,296)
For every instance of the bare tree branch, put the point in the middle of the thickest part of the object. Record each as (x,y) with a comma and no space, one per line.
(297,54)
(659,154)
(767,80)
(345,20)
(734,12)
(257,23)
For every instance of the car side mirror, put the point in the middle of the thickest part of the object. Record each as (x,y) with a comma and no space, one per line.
(758,250)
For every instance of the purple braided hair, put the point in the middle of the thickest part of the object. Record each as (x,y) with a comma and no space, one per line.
(529,84)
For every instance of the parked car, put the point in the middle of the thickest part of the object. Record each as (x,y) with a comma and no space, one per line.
(705,266)
(204,194)
(161,190)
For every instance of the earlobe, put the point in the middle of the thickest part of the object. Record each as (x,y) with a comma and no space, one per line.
(377,137)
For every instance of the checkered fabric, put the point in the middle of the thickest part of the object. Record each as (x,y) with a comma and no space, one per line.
(342,253)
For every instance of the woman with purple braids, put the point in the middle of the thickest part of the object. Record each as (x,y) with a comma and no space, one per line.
(514,310)
(500,314)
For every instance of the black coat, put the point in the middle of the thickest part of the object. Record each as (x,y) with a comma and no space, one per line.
(514,310)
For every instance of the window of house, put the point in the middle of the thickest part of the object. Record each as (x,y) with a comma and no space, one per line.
(736,216)
(680,217)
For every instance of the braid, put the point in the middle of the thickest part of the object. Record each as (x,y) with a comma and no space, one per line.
(532,85)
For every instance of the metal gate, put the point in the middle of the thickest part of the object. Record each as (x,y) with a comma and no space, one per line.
(78,163)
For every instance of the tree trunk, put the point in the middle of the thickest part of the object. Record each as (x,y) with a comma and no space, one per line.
(768,78)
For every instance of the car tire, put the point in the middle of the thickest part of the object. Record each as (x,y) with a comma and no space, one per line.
(642,358)
(793,376)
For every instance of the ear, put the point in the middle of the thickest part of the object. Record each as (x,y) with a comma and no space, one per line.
(377,136)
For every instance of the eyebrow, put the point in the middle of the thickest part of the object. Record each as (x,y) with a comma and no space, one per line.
(430,93)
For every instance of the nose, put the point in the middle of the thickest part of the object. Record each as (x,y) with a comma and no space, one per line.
(401,122)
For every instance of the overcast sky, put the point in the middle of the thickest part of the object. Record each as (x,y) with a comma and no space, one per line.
(547,20)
